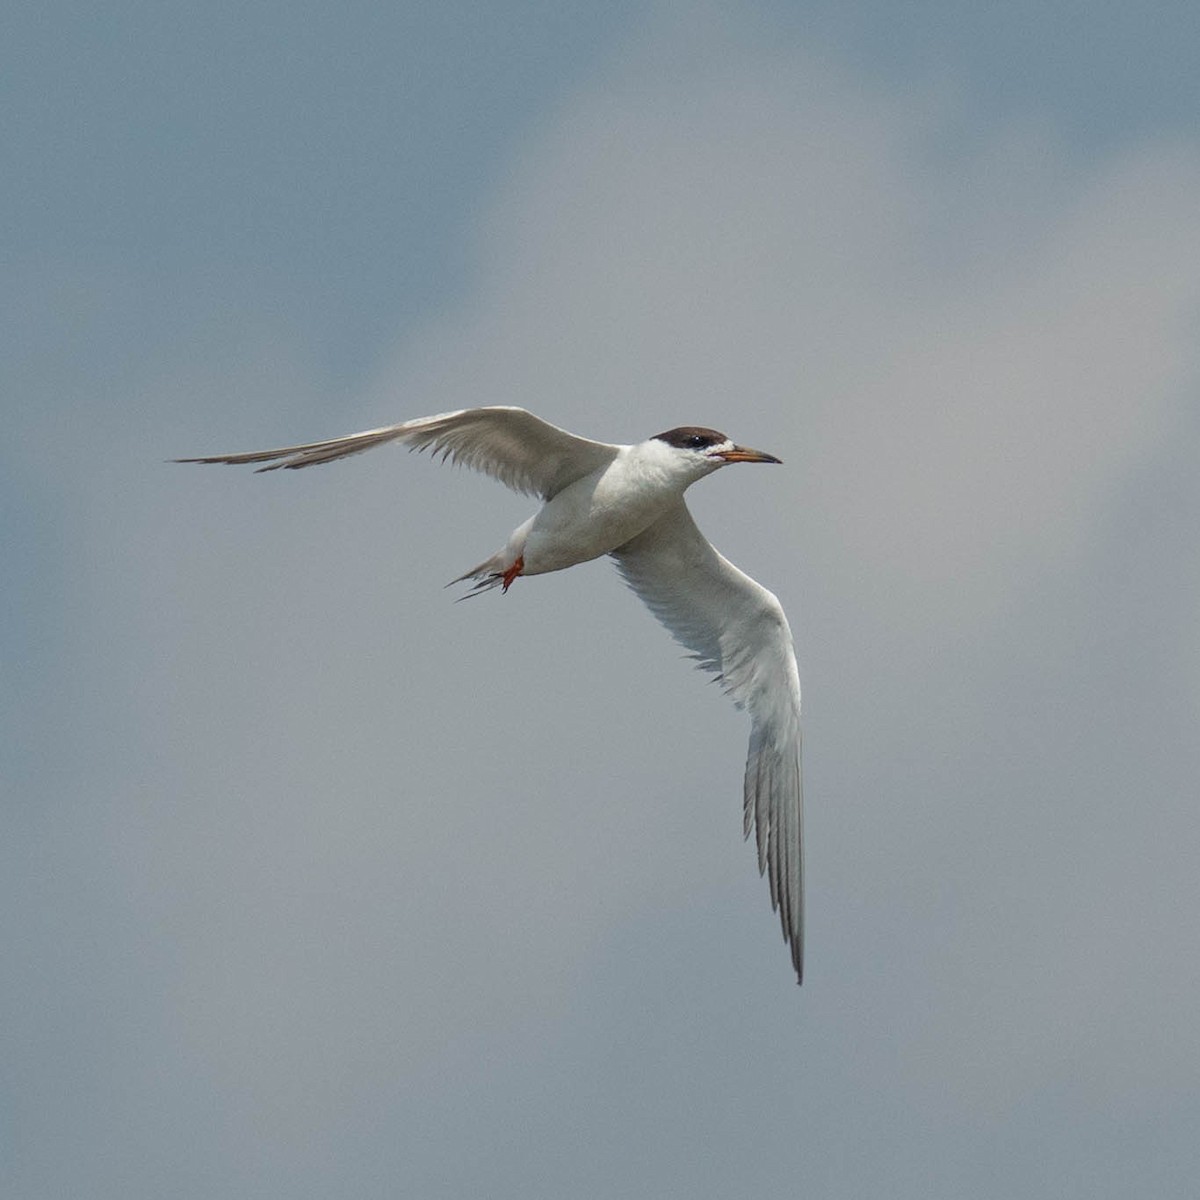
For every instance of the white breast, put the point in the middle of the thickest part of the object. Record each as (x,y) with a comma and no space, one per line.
(600,512)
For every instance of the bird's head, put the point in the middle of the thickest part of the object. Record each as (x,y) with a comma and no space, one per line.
(701,451)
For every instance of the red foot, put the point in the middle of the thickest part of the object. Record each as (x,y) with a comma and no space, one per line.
(513,572)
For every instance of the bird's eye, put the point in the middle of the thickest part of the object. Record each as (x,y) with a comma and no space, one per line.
(697,441)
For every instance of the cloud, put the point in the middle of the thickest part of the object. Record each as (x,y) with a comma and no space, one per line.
(369,847)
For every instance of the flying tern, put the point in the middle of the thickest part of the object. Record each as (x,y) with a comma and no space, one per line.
(627,502)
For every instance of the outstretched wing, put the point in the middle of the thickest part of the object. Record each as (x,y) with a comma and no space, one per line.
(522,451)
(735,627)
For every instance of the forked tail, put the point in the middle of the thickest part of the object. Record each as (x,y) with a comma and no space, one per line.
(490,573)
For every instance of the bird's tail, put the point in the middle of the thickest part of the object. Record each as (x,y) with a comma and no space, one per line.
(487,575)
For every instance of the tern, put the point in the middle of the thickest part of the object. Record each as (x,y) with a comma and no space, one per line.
(627,502)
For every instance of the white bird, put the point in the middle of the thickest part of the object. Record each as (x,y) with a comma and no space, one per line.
(627,501)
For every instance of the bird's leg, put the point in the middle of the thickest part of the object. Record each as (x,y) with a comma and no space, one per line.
(513,572)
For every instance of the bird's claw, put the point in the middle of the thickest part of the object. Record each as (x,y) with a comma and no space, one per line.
(512,572)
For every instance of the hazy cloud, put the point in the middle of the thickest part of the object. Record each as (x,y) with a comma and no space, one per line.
(339,887)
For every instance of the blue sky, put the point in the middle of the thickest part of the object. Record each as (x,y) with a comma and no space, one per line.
(318,884)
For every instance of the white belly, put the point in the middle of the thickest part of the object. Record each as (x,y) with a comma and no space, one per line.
(589,518)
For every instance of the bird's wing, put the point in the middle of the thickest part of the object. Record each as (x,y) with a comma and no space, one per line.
(522,451)
(735,627)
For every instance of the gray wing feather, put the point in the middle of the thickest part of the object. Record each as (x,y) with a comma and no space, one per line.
(736,628)
(522,451)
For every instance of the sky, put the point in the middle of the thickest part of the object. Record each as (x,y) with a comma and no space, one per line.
(316,883)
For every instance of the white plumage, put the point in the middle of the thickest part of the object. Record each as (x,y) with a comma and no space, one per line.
(627,501)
